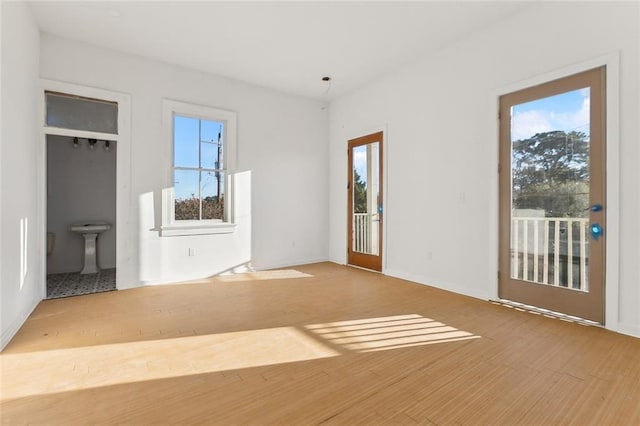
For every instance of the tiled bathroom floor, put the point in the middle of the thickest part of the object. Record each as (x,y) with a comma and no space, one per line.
(74,284)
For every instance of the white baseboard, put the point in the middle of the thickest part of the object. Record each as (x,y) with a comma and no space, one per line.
(10,332)
(628,329)
(249,266)
(465,291)
(288,264)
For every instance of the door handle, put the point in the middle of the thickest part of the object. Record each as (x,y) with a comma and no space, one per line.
(595,208)
(596,231)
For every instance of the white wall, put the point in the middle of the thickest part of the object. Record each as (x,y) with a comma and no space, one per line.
(281,141)
(441,117)
(81,186)
(20,280)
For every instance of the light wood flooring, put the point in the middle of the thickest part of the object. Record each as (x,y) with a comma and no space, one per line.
(318,343)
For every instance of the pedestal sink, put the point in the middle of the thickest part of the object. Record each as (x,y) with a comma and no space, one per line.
(90,231)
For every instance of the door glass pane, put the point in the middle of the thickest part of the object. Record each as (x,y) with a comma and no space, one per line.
(550,190)
(366,199)
(72,112)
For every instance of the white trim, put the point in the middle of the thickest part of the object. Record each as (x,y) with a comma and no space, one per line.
(197,228)
(169,226)
(612,277)
(84,134)
(10,332)
(447,286)
(289,264)
(203,112)
(612,271)
(124,243)
(628,329)
(566,71)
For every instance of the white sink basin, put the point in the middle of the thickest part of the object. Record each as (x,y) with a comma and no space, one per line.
(95,227)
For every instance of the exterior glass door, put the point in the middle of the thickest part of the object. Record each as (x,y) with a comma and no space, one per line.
(365,202)
(552,195)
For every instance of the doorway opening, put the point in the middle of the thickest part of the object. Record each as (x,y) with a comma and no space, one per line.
(365,212)
(81,194)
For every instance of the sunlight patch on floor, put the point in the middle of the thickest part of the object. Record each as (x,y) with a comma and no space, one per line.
(89,367)
(399,331)
(71,369)
(280,274)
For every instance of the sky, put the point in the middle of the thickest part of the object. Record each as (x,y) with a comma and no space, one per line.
(360,160)
(188,133)
(567,111)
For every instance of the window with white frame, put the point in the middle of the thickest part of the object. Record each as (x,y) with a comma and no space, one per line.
(203,144)
(198,168)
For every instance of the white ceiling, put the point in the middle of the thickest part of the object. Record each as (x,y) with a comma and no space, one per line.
(287,46)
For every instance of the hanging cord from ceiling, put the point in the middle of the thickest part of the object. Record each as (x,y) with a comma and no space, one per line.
(328,82)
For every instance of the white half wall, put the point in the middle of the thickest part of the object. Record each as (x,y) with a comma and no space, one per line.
(442,149)
(282,142)
(21,284)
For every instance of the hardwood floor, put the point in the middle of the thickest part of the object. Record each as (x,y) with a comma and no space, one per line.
(319,343)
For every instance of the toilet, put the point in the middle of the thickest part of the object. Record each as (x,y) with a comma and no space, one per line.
(51,242)
(90,231)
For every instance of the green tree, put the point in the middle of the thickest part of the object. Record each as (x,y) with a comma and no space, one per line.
(359,193)
(551,172)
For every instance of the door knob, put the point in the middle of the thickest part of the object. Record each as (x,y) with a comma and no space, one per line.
(596,231)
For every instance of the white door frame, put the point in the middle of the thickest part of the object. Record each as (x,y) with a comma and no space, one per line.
(612,262)
(124,241)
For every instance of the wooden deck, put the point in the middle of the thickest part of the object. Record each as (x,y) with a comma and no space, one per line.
(315,344)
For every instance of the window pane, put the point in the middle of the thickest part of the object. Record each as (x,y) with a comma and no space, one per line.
(81,114)
(210,130)
(212,195)
(211,145)
(186,136)
(187,202)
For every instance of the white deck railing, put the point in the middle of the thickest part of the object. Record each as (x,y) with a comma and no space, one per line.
(549,250)
(361,233)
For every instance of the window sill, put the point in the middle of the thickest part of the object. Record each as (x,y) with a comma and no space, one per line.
(175,230)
